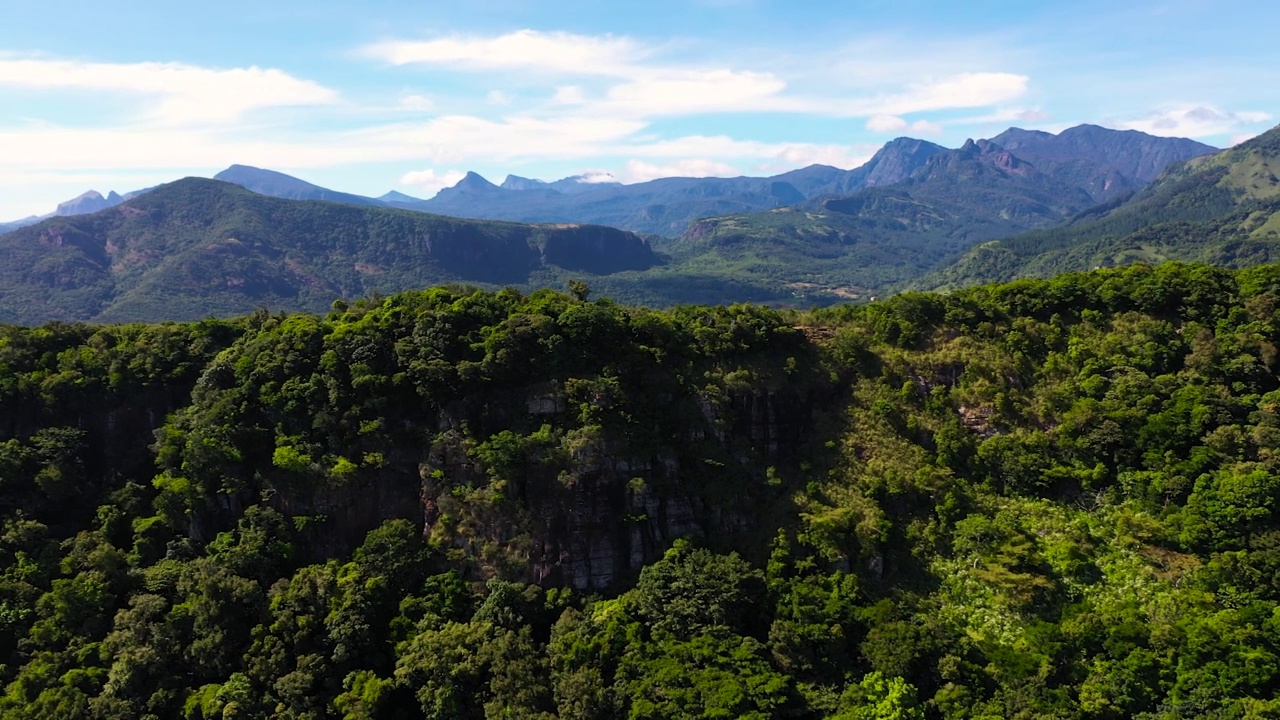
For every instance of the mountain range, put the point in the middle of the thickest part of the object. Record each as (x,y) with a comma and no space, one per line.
(916,215)
(196,248)
(921,207)
(1222,209)
(1105,163)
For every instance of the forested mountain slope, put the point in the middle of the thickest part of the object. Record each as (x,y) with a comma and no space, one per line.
(1047,499)
(198,248)
(1222,208)
(881,237)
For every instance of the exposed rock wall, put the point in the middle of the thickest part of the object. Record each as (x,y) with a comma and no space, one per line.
(615,508)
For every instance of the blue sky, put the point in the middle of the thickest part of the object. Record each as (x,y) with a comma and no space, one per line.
(375,96)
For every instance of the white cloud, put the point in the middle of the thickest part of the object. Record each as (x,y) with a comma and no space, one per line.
(137,148)
(883,61)
(1195,121)
(588,99)
(429,183)
(795,155)
(767,158)
(926,128)
(895,124)
(453,139)
(417,103)
(638,171)
(1030,116)
(449,140)
(185,95)
(645,86)
(595,177)
(569,95)
(696,91)
(965,90)
(559,52)
(886,123)
(723,146)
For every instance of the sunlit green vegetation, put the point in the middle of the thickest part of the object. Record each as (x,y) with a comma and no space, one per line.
(1045,499)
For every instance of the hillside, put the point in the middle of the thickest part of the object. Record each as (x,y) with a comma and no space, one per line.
(11,226)
(1223,208)
(1047,499)
(865,243)
(198,248)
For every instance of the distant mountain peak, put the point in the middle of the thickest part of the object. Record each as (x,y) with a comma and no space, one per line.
(515,182)
(904,142)
(1108,163)
(88,202)
(237,172)
(1216,207)
(398,197)
(474,181)
(895,162)
(1017,132)
(1089,129)
(279,185)
(573,184)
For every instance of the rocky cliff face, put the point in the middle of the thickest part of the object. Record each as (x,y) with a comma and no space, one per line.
(596,249)
(615,507)
(590,523)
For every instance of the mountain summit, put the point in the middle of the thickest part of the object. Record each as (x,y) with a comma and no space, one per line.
(1222,208)
(278,185)
(89,202)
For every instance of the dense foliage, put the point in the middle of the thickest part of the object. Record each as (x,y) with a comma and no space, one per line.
(1043,499)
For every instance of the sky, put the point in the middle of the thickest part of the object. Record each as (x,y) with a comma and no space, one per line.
(377,96)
